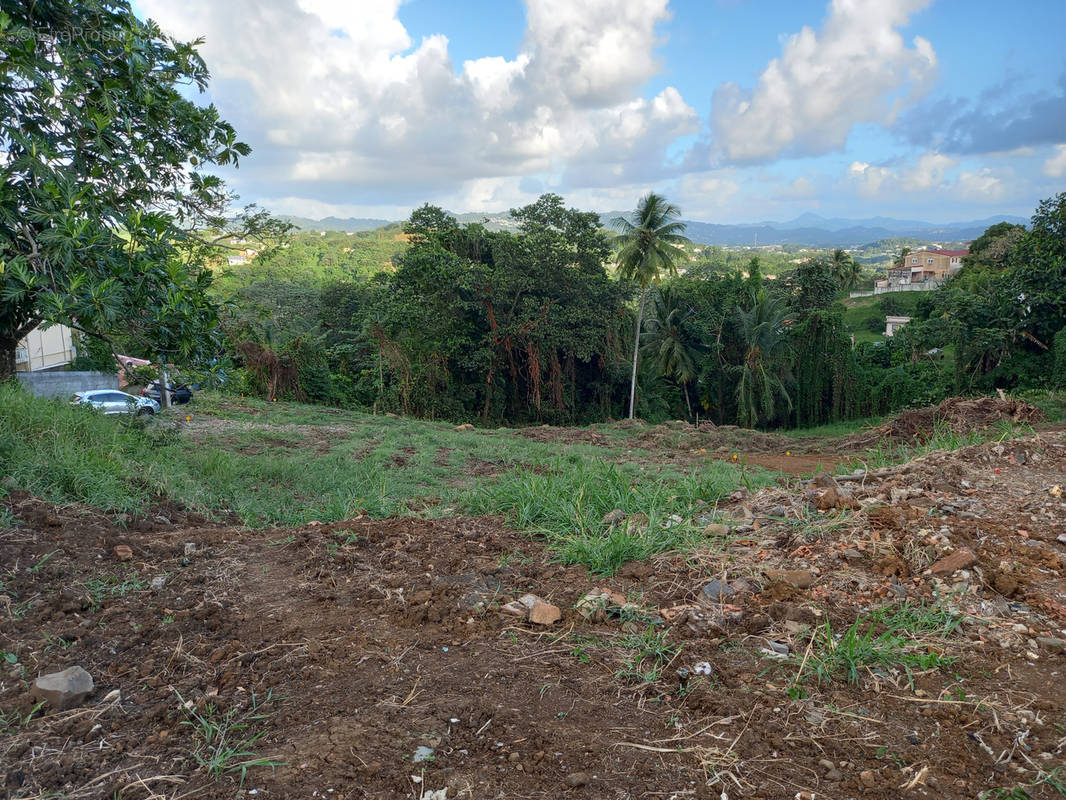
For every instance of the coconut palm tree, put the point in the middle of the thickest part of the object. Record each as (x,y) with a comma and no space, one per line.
(765,344)
(846,270)
(666,344)
(650,246)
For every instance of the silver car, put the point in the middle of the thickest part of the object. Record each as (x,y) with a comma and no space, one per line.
(112,401)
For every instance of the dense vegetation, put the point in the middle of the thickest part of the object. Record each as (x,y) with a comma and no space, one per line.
(538,325)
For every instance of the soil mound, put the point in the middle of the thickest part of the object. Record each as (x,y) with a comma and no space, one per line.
(957,414)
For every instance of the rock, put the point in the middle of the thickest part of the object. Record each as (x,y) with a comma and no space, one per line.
(1051,644)
(123,552)
(597,603)
(158,582)
(1055,491)
(963,558)
(716,529)
(800,578)
(868,778)
(823,480)
(851,554)
(62,690)
(834,775)
(612,518)
(190,549)
(576,779)
(544,613)
(466,426)
(515,609)
(422,753)
(779,647)
(716,591)
(1061,538)
(827,500)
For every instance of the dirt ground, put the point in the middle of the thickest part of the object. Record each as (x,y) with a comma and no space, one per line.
(346,647)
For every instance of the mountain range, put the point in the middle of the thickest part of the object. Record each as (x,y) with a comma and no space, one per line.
(808,229)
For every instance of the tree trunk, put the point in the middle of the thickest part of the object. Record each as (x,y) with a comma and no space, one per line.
(7,358)
(636,350)
(688,403)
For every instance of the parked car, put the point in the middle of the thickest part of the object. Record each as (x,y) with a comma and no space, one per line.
(180,393)
(112,401)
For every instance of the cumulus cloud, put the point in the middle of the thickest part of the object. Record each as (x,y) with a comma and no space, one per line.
(1055,167)
(929,175)
(338,101)
(857,69)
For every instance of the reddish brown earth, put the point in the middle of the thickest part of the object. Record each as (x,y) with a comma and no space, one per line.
(373,638)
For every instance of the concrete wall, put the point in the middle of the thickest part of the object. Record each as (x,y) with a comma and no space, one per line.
(64,384)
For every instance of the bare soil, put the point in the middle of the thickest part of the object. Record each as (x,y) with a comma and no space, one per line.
(373,638)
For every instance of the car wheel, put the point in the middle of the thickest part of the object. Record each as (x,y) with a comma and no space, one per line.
(145,412)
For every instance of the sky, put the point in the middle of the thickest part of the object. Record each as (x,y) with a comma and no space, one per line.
(736,110)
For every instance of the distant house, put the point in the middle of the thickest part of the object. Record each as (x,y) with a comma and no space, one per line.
(45,348)
(893,324)
(927,265)
(241,257)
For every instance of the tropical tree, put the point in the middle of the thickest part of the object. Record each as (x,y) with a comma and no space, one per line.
(760,381)
(104,195)
(845,269)
(650,245)
(671,351)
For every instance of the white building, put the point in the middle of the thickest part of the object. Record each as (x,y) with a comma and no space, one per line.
(45,348)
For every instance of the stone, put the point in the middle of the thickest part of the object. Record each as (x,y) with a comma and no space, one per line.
(963,558)
(190,549)
(576,779)
(158,582)
(868,778)
(515,609)
(800,578)
(62,690)
(544,613)
(1051,644)
(715,591)
(422,753)
(827,500)
(823,480)
(851,554)
(123,552)
(716,529)
(780,648)
(612,518)
(1061,538)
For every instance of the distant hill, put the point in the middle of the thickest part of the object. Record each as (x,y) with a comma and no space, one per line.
(809,230)
(348,225)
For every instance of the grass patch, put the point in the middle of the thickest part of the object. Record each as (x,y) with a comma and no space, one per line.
(566,501)
(223,741)
(894,640)
(287,464)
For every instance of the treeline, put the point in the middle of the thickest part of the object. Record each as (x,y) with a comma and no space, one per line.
(533,327)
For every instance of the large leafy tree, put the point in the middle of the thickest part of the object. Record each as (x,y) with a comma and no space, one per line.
(846,270)
(651,243)
(104,196)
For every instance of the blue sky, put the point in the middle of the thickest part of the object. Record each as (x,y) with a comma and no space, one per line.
(739,110)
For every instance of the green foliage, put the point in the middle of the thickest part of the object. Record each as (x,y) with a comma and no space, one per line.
(223,741)
(99,208)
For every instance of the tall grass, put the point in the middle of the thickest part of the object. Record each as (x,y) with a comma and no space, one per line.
(69,453)
(565,502)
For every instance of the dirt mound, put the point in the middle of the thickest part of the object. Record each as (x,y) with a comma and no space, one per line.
(956,414)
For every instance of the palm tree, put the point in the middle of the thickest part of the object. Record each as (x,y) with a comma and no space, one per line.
(846,270)
(765,345)
(665,341)
(650,246)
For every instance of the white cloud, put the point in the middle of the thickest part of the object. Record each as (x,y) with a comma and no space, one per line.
(927,173)
(930,175)
(1055,167)
(337,99)
(981,186)
(868,178)
(857,69)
